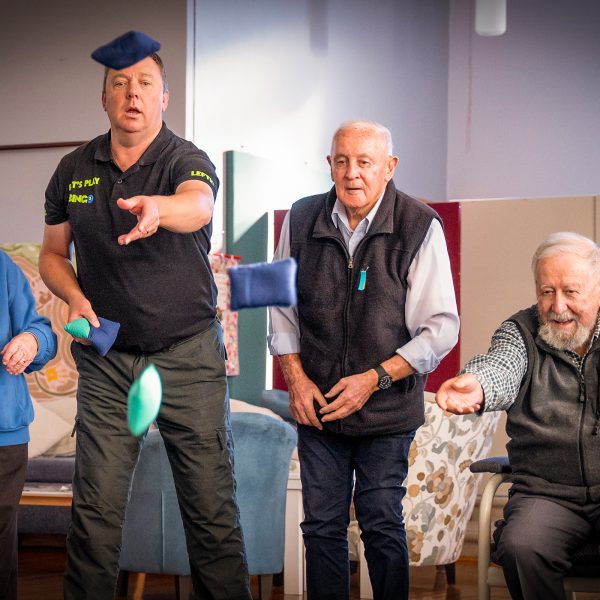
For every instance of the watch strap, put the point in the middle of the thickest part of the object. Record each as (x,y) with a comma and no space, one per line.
(381,372)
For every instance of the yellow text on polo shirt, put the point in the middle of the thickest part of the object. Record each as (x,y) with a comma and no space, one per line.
(83,183)
(203,175)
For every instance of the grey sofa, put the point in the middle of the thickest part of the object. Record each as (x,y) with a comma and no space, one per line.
(47,519)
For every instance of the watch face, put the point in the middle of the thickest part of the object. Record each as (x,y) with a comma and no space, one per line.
(385,382)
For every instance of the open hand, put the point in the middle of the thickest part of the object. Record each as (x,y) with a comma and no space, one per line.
(145,208)
(460,395)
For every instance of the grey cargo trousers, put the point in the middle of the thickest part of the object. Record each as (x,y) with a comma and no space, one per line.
(194,423)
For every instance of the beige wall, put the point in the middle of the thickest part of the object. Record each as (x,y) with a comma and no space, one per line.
(498,239)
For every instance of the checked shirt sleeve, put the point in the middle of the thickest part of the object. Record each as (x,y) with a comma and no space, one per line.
(502,369)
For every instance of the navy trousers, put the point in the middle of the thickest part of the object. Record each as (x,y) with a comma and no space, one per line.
(331,466)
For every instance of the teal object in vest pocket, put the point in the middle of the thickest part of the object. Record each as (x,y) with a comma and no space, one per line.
(362,281)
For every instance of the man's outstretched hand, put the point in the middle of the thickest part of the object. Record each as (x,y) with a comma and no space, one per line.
(460,395)
(145,208)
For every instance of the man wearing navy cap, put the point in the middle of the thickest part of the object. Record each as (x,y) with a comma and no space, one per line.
(137,202)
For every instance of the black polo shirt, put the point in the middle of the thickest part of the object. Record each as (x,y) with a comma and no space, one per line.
(160,289)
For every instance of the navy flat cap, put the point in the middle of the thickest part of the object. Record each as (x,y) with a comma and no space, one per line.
(126,50)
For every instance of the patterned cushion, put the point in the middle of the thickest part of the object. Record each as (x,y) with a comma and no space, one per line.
(441,490)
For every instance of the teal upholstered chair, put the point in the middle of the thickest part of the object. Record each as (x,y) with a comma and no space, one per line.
(153,536)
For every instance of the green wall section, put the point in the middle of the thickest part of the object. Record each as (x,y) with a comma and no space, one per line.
(255,186)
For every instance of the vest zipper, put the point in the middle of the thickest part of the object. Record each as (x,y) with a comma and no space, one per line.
(339,426)
(346,309)
(350,264)
(596,428)
(583,403)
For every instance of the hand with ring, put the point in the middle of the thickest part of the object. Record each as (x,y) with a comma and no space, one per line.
(18,354)
(146,211)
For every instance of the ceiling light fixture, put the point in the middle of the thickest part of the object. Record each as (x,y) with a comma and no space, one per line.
(490,17)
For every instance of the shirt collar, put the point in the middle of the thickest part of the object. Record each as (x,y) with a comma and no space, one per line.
(149,156)
(338,214)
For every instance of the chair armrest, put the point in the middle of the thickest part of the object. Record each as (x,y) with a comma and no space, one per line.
(493,464)
(279,402)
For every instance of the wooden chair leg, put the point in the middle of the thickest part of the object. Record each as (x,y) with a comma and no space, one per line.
(265,587)
(450,573)
(137,581)
(445,575)
(183,587)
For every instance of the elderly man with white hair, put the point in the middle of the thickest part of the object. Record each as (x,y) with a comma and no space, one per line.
(543,367)
(376,312)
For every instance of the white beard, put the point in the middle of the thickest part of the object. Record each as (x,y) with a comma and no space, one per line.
(564,340)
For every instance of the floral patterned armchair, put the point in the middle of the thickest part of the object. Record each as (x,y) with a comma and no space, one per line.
(441,490)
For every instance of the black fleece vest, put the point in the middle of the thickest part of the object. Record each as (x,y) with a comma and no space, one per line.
(553,425)
(344,330)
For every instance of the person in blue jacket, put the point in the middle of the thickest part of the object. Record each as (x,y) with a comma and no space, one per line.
(27,343)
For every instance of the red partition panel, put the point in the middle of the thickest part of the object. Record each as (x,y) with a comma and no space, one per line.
(450,214)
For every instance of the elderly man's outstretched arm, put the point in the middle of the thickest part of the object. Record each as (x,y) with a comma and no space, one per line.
(460,395)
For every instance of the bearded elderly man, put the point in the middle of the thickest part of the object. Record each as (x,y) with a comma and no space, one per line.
(543,368)
(376,312)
